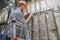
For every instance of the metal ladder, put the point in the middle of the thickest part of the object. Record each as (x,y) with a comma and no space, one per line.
(21,26)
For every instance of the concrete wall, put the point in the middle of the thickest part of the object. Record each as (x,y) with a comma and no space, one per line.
(44,4)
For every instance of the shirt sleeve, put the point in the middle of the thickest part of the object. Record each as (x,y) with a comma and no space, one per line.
(12,16)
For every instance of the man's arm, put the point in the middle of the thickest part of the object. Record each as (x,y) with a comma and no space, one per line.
(28,18)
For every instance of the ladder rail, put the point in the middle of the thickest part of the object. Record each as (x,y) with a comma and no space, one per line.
(22,26)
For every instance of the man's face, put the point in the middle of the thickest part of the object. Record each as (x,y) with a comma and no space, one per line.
(22,7)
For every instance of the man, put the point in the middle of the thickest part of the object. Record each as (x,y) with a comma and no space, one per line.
(18,15)
(21,7)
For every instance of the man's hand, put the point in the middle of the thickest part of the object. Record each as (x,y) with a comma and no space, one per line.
(26,21)
(28,18)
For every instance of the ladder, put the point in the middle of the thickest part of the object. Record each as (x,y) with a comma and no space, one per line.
(14,27)
(14,23)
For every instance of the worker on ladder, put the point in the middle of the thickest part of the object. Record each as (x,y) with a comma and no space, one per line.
(18,16)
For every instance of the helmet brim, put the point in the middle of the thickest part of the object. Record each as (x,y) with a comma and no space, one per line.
(22,2)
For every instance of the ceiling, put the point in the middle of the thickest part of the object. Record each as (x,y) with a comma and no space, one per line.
(2,4)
